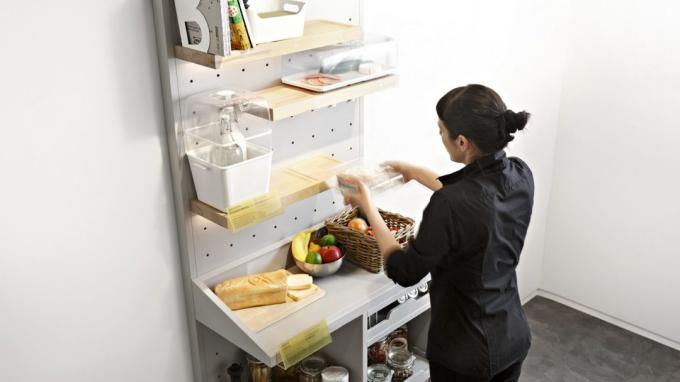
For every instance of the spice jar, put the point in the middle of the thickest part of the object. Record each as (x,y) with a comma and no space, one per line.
(400,359)
(335,374)
(259,372)
(311,368)
(379,373)
(401,331)
(377,353)
(279,374)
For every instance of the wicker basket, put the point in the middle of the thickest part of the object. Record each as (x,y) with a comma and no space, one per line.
(362,249)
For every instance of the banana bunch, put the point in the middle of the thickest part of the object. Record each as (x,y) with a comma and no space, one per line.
(300,244)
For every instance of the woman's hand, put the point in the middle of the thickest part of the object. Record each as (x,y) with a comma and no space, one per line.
(427,178)
(360,196)
(407,170)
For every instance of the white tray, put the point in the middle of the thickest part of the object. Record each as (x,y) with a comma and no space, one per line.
(346,79)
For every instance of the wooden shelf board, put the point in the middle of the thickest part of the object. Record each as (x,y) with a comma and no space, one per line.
(286,101)
(318,33)
(291,186)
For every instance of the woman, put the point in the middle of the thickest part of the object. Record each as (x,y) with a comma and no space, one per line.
(470,239)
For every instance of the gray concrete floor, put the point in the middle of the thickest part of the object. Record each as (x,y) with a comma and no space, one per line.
(572,346)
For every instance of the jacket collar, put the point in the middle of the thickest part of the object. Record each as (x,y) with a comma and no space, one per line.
(477,166)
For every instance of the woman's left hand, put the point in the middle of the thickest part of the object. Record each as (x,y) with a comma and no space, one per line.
(360,196)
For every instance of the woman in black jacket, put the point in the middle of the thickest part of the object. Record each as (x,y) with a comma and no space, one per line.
(469,240)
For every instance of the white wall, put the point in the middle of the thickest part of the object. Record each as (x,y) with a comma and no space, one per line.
(614,215)
(90,284)
(515,47)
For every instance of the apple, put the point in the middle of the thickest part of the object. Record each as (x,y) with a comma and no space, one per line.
(330,253)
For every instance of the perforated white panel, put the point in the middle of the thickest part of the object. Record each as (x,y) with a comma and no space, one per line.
(336,131)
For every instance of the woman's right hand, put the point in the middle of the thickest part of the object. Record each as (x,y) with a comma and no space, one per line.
(407,170)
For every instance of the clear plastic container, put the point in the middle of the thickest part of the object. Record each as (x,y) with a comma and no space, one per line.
(376,177)
(335,66)
(227,139)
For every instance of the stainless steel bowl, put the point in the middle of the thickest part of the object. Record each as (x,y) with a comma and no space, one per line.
(320,270)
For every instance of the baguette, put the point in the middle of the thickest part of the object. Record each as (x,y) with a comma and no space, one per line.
(254,290)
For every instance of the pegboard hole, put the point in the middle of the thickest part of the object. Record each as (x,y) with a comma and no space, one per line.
(267,64)
(207,255)
(191,81)
(231,245)
(350,19)
(194,112)
(254,236)
(332,154)
(313,135)
(205,228)
(332,130)
(350,123)
(292,142)
(289,60)
(315,210)
(275,227)
(218,75)
(334,202)
(217,353)
(296,218)
(350,148)
(243,69)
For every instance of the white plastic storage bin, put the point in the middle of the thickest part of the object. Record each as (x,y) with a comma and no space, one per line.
(225,186)
(286,20)
(227,139)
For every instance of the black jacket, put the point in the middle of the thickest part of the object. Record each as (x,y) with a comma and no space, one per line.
(470,239)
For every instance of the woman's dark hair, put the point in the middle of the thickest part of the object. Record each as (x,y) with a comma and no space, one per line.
(479,113)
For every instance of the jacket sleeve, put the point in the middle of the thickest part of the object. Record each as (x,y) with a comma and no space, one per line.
(408,266)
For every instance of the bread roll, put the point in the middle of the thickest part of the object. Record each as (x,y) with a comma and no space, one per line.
(254,290)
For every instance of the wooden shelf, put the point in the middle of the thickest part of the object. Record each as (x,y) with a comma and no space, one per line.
(318,33)
(293,183)
(286,101)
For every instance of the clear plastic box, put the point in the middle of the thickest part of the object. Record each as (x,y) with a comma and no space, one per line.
(227,140)
(340,65)
(377,178)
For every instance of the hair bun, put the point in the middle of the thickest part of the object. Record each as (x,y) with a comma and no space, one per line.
(515,121)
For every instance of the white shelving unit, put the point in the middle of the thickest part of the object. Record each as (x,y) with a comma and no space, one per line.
(328,124)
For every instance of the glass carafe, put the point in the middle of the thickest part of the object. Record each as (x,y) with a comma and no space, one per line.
(232,143)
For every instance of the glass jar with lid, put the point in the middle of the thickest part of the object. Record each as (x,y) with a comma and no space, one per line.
(379,373)
(310,369)
(259,372)
(400,359)
(335,374)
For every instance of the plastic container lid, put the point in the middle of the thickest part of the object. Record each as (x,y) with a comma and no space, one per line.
(335,374)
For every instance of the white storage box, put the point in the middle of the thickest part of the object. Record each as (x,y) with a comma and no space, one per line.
(286,20)
(225,186)
(227,139)
(332,67)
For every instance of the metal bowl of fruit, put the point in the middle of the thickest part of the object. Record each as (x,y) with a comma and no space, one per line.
(320,270)
(319,258)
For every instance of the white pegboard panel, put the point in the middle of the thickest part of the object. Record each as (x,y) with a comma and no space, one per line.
(254,75)
(215,246)
(315,130)
(218,355)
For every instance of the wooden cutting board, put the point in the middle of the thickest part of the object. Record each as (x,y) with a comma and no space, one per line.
(260,317)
